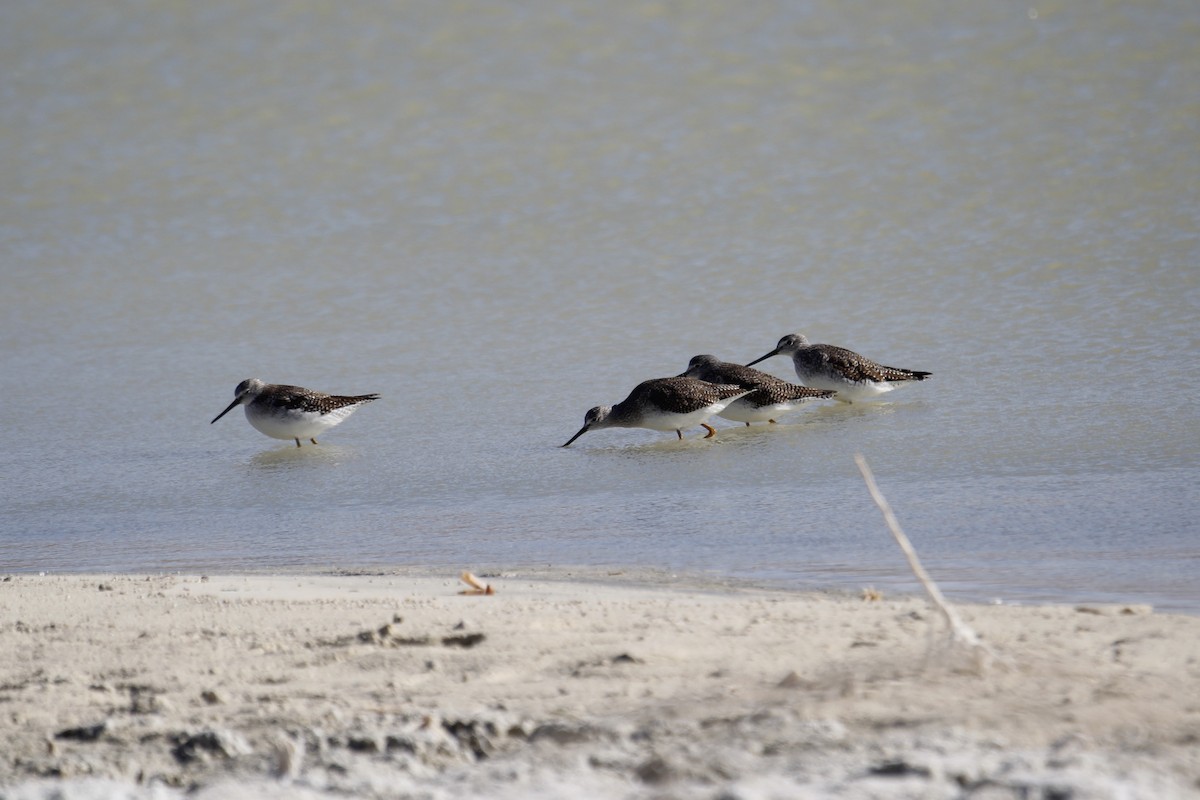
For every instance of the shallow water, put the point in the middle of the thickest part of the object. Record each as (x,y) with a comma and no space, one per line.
(500,216)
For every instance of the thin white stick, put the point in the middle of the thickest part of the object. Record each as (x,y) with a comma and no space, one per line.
(959,630)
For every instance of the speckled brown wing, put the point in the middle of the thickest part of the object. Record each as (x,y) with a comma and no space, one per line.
(830,359)
(332,402)
(297,398)
(725,372)
(768,389)
(784,392)
(680,395)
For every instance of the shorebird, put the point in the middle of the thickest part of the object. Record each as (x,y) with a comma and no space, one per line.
(292,412)
(852,376)
(770,396)
(664,404)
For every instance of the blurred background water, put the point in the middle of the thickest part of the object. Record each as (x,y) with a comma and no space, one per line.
(501,214)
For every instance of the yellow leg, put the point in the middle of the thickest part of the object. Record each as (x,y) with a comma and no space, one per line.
(711,430)
(314,441)
(771,421)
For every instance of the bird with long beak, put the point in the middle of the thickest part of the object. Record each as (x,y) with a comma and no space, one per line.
(292,412)
(769,396)
(664,404)
(852,376)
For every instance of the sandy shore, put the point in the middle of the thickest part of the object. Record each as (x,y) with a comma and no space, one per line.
(577,685)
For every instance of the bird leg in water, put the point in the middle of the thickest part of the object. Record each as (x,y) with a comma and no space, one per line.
(711,430)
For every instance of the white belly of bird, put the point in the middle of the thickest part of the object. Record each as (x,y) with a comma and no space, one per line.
(741,411)
(847,391)
(295,424)
(669,421)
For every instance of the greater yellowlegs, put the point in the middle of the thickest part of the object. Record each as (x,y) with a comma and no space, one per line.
(852,376)
(292,412)
(664,404)
(770,396)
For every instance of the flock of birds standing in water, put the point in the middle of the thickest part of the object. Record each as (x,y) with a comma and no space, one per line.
(708,387)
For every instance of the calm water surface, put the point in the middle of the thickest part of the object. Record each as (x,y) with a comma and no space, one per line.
(501,215)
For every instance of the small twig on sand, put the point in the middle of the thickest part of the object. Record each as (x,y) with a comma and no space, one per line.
(960,632)
(476,586)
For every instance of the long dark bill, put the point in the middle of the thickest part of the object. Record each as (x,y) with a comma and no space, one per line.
(774,352)
(582,431)
(226,411)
